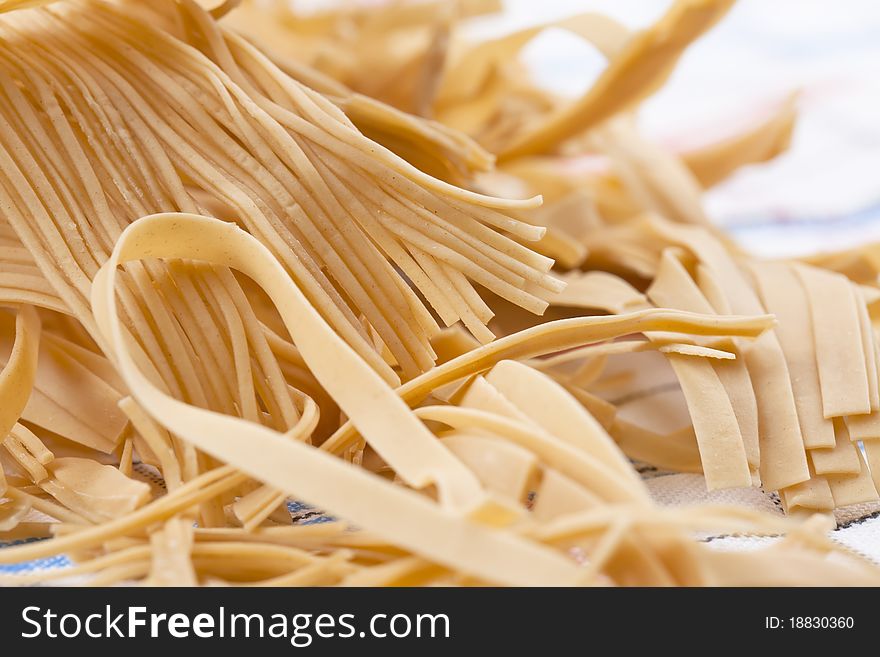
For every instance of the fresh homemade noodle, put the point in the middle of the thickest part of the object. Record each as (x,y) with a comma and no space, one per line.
(288,269)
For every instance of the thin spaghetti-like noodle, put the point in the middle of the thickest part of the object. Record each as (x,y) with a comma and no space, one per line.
(263,269)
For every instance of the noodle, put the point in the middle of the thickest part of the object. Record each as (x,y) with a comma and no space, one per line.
(265,269)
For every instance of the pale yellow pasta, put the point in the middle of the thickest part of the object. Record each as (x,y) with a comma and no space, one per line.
(836,330)
(249,256)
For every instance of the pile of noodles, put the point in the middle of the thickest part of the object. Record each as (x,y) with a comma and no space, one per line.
(265,256)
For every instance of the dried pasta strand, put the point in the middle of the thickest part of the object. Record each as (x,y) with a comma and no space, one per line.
(328,479)
(722,450)
(783,458)
(230,260)
(633,74)
(560,335)
(18,375)
(842,370)
(785,298)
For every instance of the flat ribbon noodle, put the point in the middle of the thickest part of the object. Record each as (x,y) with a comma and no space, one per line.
(340,488)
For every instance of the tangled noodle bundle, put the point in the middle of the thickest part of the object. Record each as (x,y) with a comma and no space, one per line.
(264,256)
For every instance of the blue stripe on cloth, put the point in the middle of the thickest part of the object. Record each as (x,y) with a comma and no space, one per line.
(301,514)
(59,561)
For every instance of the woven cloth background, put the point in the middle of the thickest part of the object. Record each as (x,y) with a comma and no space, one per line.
(822,194)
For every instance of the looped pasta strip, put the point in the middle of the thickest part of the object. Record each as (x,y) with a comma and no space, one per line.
(299,469)
(398,437)
(273,269)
